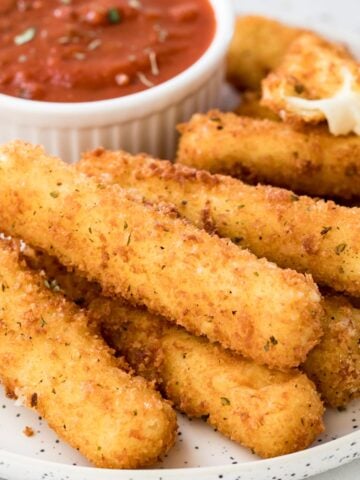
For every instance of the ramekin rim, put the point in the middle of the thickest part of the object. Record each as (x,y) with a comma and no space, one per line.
(224,17)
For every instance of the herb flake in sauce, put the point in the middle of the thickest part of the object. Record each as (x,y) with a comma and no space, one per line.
(114,16)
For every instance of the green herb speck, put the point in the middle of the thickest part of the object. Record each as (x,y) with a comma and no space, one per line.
(325,230)
(129,239)
(340,248)
(225,401)
(114,16)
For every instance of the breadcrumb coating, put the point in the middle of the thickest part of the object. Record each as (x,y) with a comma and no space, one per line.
(312,69)
(258,46)
(144,254)
(250,106)
(248,403)
(307,235)
(53,360)
(306,160)
(334,365)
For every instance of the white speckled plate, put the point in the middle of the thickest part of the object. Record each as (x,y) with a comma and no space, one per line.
(200,452)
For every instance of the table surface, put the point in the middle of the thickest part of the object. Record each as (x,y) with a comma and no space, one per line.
(333,14)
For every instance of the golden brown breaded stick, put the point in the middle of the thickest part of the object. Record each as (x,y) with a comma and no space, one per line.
(258,47)
(334,365)
(298,232)
(55,362)
(250,106)
(308,160)
(309,80)
(137,251)
(246,402)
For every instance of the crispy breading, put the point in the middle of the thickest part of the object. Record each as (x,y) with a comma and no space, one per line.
(246,402)
(313,71)
(258,47)
(249,403)
(307,235)
(53,360)
(334,364)
(307,160)
(250,106)
(137,251)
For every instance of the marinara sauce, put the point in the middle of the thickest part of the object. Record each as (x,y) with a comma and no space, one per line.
(81,50)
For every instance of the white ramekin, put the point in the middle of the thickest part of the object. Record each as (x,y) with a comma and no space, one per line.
(143,121)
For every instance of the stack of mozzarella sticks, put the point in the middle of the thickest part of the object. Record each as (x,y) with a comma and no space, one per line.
(146,285)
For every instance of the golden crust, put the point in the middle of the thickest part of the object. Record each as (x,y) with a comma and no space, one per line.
(54,361)
(306,160)
(203,283)
(250,106)
(334,365)
(311,69)
(321,237)
(250,404)
(251,54)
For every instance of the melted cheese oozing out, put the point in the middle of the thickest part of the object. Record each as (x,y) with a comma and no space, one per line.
(342,111)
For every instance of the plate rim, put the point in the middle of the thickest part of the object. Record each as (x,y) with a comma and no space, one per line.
(16,459)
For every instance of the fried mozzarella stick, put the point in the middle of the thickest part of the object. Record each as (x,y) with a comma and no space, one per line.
(308,160)
(298,232)
(250,106)
(334,365)
(258,47)
(249,403)
(316,81)
(54,361)
(137,251)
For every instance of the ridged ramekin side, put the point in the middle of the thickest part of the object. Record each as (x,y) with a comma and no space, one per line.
(154,133)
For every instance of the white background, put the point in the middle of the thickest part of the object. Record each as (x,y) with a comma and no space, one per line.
(333,14)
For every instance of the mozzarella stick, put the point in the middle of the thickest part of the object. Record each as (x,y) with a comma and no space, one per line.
(258,47)
(317,80)
(144,254)
(298,232)
(53,361)
(334,365)
(307,160)
(250,106)
(248,403)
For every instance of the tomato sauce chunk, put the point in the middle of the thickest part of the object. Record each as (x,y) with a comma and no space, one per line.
(81,50)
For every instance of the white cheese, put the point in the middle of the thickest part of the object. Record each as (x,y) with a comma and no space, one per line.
(342,111)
